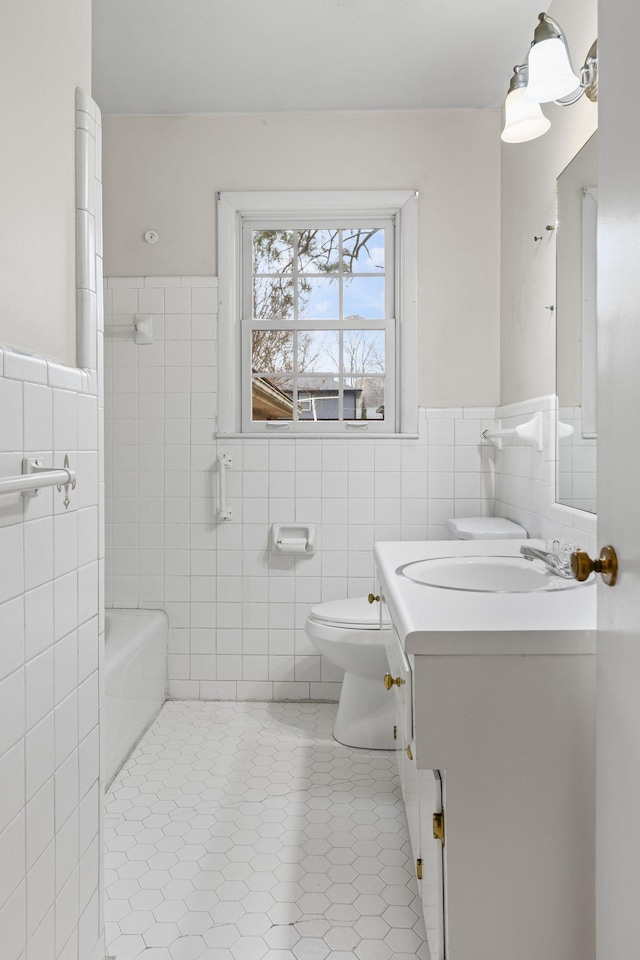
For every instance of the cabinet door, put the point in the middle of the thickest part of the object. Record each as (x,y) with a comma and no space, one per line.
(402,687)
(432,885)
(401,691)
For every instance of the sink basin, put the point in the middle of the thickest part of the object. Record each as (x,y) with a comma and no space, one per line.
(487,575)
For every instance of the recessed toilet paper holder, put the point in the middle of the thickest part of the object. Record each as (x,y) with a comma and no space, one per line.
(295,538)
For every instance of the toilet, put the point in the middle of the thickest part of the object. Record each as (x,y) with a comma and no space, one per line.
(352,634)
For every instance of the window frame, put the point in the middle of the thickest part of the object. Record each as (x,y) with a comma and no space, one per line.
(332,208)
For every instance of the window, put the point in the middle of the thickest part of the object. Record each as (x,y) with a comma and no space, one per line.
(317,313)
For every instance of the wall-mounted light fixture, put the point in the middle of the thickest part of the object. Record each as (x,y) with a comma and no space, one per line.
(547,76)
(523,119)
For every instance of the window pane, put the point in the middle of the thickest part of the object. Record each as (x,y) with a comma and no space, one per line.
(364,297)
(273,299)
(318,251)
(272,251)
(363,250)
(318,299)
(363,351)
(364,398)
(318,398)
(318,350)
(271,351)
(271,398)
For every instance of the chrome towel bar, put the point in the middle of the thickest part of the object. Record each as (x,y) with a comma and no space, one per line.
(35,475)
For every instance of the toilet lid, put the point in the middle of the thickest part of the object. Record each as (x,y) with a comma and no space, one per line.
(354,612)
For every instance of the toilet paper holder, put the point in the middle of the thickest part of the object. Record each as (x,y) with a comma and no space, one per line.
(294,538)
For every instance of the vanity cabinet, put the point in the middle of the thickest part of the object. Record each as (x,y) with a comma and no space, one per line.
(500,731)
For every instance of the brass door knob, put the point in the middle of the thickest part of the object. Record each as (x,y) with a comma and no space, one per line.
(390,681)
(372,598)
(606,565)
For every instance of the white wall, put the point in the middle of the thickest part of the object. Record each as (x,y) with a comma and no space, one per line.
(528,204)
(163,174)
(45,53)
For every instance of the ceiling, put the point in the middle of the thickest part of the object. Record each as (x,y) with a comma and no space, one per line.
(208,56)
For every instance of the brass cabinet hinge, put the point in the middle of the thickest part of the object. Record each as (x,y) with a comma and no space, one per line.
(438,827)
(395,732)
(419,869)
(409,753)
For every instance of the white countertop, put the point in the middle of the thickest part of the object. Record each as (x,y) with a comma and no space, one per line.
(431,620)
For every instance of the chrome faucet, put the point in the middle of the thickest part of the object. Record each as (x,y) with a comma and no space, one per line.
(554,564)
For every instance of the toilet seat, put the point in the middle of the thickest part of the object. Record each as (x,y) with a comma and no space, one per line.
(355,613)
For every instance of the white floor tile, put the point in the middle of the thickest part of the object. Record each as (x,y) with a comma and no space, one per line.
(242,831)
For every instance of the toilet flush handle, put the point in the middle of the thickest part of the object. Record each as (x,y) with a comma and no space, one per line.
(372,598)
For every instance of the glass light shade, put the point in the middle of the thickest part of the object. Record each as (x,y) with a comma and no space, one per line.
(551,75)
(523,120)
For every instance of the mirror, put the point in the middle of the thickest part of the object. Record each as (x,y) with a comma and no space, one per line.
(576,358)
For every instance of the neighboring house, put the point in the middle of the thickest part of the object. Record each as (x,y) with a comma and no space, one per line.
(318,400)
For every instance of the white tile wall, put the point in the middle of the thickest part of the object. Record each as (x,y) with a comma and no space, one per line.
(49,631)
(526,480)
(50,809)
(236,610)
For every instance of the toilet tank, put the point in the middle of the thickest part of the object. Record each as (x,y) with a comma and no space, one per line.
(485,528)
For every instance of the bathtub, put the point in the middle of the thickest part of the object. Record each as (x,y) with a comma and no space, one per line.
(135,679)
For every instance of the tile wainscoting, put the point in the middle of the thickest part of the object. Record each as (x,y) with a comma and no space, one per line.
(51,628)
(237,610)
(50,901)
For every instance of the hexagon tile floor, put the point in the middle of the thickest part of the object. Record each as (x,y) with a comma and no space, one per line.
(243,831)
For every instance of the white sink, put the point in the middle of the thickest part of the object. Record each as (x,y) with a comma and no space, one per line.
(493,574)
